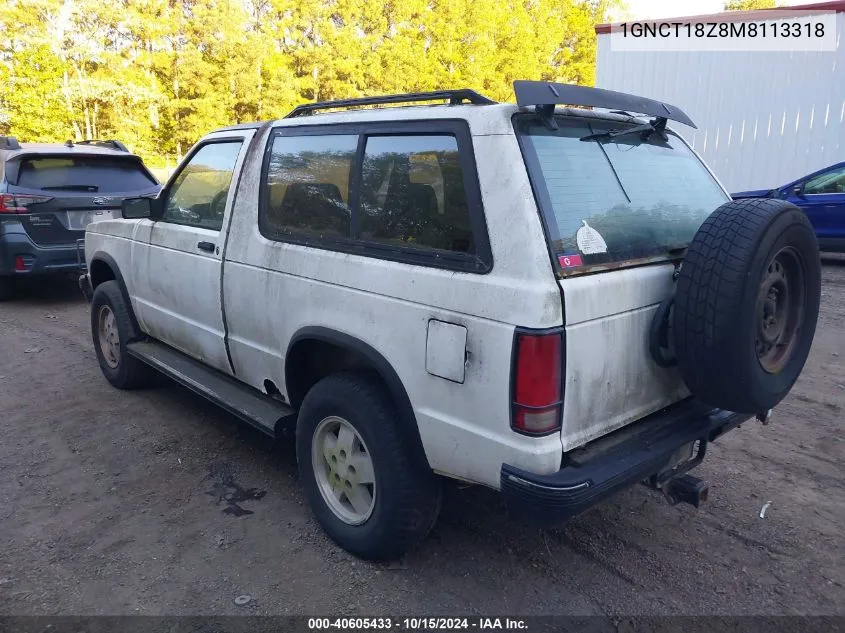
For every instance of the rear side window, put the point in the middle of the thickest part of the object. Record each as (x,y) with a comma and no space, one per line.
(307,186)
(412,193)
(102,174)
(401,191)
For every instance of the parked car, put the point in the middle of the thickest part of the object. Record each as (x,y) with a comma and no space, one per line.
(49,193)
(821,195)
(481,291)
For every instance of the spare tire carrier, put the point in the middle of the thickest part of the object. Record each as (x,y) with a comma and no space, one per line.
(780,310)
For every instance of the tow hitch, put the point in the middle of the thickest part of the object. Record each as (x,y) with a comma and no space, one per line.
(674,482)
(686,489)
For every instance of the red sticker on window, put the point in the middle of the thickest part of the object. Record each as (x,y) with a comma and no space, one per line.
(569,261)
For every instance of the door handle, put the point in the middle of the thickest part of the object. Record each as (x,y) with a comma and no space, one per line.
(206,246)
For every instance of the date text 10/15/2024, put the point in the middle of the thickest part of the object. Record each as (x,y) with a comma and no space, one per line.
(417,624)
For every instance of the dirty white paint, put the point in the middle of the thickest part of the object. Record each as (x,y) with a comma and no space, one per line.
(175,286)
(764,118)
(611,379)
(458,373)
(465,428)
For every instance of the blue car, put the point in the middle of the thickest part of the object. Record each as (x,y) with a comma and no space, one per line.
(821,196)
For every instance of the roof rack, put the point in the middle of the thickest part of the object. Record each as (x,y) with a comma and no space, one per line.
(546,95)
(455,97)
(9,142)
(100,143)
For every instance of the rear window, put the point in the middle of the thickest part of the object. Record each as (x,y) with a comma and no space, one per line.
(616,199)
(105,174)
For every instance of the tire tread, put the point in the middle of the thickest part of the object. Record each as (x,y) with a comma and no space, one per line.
(132,373)
(711,287)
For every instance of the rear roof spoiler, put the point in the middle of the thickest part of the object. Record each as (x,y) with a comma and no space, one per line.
(546,95)
(111,143)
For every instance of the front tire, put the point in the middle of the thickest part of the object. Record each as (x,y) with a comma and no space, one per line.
(112,328)
(358,476)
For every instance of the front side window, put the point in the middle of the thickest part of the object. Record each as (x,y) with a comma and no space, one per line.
(832,181)
(412,193)
(307,186)
(620,198)
(199,193)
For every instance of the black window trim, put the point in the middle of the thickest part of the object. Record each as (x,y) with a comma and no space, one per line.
(165,190)
(542,199)
(481,262)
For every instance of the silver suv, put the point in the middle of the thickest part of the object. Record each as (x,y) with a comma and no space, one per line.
(50,192)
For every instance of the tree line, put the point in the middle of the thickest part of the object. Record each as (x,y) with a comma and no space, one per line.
(158,74)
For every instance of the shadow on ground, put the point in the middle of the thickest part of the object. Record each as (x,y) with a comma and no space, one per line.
(47,291)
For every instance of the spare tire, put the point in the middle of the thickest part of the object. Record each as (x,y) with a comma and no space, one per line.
(746,304)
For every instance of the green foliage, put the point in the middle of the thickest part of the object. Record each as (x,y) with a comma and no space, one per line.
(158,74)
(749,5)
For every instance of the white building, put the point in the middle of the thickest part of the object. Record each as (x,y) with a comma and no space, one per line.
(764,117)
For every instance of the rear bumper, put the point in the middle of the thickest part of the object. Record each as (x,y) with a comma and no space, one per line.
(615,462)
(37,259)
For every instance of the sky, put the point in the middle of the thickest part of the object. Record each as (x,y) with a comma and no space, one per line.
(643,9)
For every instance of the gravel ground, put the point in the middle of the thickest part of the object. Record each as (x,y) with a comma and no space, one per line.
(155,502)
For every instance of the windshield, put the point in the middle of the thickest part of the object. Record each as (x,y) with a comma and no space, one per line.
(615,199)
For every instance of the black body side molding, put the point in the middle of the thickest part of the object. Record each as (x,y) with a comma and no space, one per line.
(108,260)
(407,420)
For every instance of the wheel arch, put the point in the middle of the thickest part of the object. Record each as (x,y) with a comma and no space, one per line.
(298,378)
(103,268)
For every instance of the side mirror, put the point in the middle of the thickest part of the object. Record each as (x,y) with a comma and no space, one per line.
(798,190)
(136,208)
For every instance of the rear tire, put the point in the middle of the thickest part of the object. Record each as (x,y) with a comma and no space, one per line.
(112,328)
(399,509)
(746,304)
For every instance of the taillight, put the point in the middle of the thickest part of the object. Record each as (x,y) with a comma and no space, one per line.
(537,384)
(19,202)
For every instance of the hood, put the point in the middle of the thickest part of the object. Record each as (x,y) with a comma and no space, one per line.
(755,193)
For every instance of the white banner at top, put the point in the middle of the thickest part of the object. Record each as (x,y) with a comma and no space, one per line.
(769,31)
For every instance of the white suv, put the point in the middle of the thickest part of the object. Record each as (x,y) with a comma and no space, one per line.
(553,302)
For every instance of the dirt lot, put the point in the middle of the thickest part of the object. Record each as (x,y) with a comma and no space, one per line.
(126,503)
